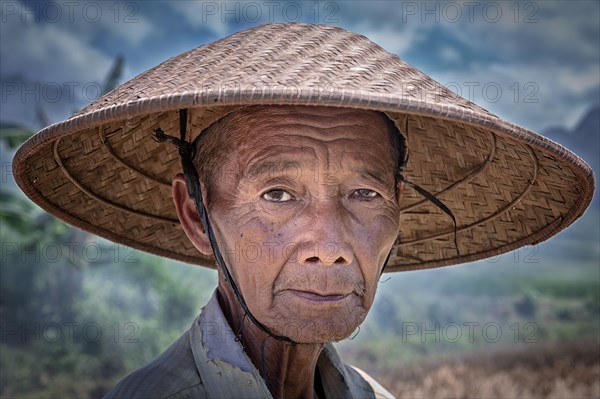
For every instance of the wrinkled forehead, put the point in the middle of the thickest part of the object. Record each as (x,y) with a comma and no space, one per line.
(304,126)
(271,138)
(317,116)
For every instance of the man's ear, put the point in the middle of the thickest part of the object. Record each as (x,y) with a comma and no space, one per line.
(188,216)
(399,188)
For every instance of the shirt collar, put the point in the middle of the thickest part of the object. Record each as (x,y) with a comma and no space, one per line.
(227,371)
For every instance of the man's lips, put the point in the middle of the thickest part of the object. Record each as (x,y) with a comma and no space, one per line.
(313,296)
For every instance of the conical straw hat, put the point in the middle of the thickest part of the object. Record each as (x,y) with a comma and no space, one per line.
(100,170)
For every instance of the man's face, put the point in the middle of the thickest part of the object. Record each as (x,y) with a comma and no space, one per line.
(305,213)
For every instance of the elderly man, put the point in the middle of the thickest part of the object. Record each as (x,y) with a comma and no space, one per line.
(287,174)
(319,184)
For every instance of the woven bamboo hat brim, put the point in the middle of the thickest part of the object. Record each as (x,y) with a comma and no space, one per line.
(101,170)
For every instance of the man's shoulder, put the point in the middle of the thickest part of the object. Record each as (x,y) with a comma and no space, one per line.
(378,390)
(356,382)
(173,374)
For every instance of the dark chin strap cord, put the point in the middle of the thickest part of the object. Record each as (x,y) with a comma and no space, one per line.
(187,152)
(402,162)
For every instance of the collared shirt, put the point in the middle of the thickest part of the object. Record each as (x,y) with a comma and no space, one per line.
(208,362)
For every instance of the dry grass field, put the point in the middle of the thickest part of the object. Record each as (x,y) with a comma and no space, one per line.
(558,371)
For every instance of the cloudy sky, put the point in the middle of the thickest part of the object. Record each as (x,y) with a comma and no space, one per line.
(534,63)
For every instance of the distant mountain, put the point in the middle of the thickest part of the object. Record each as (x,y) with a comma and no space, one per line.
(583,140)
(8,125)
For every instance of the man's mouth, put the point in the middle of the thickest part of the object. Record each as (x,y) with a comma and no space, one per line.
(318,297)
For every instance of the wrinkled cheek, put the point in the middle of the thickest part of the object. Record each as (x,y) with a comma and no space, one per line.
(370,291)
(257,289)
(371,253)
(385,236)
(251,274)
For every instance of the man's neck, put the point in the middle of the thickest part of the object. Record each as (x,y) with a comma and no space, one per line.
(288,369)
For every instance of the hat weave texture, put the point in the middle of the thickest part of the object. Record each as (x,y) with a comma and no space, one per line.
(101,170)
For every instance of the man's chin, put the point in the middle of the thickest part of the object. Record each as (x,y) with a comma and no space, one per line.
(318,331)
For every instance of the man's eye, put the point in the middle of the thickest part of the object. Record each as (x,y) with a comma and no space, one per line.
(277,196)
(364,194)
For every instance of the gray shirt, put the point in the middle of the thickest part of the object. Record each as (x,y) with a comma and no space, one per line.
(208,362)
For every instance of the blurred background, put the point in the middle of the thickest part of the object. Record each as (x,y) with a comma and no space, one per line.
(77,313)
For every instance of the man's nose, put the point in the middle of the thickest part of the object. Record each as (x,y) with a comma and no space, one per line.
(325,236)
